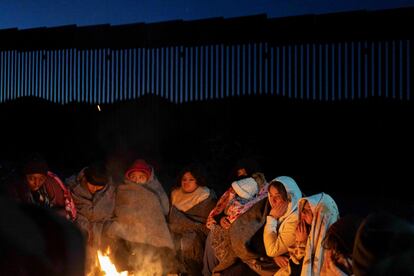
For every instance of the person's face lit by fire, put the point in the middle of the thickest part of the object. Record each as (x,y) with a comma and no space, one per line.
(188,183)
(93,188)
(306,213)
(138,177)
(241,172)
(35,181)
(275,198)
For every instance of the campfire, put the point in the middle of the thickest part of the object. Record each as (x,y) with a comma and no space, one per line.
(104,266)
(145,265)
(107,266)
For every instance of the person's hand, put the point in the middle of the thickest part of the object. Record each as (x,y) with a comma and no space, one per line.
(211,223)
(281,261)
(301,232)
(70,210)
(225,223)
(279,210)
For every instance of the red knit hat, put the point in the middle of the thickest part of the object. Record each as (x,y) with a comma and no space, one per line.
(139,166)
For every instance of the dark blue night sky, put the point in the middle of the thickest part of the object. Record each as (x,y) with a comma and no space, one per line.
(25,14)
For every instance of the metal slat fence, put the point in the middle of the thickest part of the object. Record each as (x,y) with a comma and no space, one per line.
(330,71)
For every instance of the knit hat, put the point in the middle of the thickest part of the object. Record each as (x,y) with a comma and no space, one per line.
(96,174)
(139,165)
(36,165)
(245,188)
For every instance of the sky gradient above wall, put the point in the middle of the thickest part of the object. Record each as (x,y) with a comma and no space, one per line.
(25,14)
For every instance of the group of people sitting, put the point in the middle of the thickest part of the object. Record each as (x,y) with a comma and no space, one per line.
(257,227)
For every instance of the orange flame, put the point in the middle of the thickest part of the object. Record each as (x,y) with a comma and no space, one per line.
(107,266)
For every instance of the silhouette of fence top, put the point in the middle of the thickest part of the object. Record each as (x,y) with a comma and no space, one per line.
(382,24)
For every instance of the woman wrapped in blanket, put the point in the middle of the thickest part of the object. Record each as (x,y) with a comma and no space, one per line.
(140,232)
(316,214)
(191,203)
(237,200)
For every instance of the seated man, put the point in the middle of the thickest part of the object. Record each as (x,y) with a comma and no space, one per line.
(94,194)
(37,185)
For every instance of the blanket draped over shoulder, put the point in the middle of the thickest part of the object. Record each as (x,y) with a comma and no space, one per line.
(93,211)
(189,232)
(154,185)
(244,241)
(139,217)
